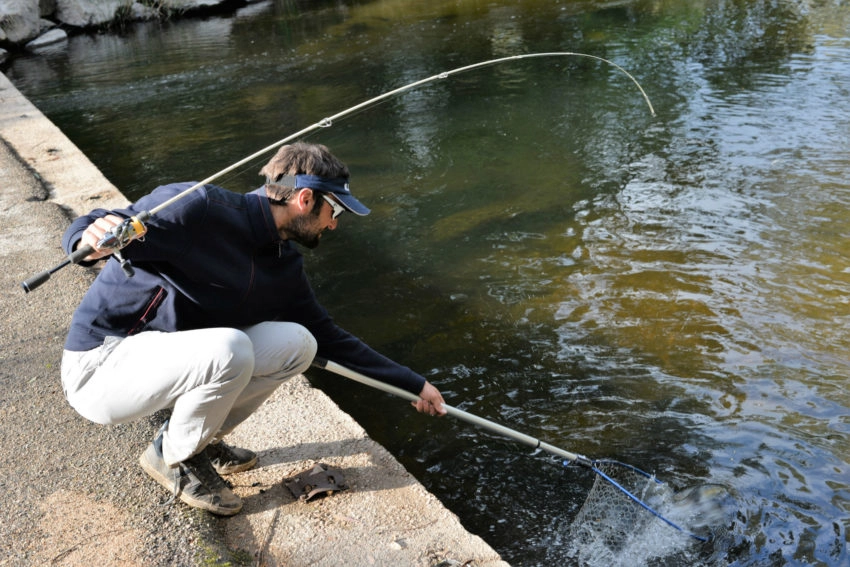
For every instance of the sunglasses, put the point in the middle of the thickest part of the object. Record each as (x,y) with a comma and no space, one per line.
(337,208)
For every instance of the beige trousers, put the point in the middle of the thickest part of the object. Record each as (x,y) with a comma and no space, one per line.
(213,379)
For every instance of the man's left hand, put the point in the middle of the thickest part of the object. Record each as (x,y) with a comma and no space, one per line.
(431,401)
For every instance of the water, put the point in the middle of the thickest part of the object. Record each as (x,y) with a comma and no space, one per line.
(672,292)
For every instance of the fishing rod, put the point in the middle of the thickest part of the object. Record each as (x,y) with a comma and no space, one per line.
(132,228)
(571,458)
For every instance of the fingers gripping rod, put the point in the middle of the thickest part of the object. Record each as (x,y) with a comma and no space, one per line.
(115,239)
(82,253)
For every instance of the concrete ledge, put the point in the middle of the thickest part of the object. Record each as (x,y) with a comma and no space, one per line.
(70,177)
(385,517)
(80,499)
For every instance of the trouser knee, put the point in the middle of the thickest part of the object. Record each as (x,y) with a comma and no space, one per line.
(281,349)
(306,353)
(233,356)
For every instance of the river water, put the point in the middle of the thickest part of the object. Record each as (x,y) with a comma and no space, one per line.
(671,291)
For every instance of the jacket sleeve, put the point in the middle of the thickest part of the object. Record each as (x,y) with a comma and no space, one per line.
(171,223)
(74,233)
(342,347)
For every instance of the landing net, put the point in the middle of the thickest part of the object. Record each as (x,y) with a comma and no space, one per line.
(612,530)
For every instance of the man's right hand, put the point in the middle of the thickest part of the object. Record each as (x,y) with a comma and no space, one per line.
(94,233)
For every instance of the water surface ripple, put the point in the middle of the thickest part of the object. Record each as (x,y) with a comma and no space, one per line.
(672,292)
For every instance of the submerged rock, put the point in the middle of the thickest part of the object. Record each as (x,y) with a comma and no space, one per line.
(52,37)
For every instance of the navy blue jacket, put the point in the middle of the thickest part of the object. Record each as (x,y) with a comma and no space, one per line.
(212,259)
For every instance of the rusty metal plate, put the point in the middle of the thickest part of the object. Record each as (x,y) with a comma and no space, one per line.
(321,480)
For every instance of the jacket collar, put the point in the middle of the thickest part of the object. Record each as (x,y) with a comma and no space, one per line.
(262,220)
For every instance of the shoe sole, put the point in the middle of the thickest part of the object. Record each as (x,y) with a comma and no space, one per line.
(168,484)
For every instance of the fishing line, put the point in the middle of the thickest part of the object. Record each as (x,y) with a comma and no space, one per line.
(131,228)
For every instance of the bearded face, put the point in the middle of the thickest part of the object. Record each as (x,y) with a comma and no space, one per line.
(305,229)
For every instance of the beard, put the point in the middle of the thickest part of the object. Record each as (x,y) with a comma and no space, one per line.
(302,230)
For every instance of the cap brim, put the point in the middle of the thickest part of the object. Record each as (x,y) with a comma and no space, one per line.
(338,187)
(350,203)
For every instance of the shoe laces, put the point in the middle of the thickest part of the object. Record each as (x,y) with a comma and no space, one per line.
(200,467)
(220,451)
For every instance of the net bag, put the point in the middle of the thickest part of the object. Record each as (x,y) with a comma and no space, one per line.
(611,528)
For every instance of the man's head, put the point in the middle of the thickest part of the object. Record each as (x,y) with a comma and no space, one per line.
(311,184)
(312,166)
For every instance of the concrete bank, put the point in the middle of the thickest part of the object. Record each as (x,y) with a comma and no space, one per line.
(73,493)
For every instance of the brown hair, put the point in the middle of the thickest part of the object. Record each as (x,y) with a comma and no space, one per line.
(300,157)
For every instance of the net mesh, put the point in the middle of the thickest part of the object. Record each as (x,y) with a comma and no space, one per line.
(611,529)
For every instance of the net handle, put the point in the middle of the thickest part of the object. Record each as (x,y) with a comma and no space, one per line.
(340,370)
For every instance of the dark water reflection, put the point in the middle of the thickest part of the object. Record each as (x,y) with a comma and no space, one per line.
(671,292)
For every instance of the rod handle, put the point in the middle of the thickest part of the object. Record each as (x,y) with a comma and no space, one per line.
(35,281)
(74,258)
(80,254)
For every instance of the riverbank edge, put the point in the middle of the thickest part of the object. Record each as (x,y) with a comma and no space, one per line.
(386,516)
(33,25)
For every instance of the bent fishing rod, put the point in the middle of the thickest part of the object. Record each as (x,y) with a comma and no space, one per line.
(134,227)
(571,458)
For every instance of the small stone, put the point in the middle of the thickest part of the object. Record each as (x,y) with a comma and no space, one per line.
(399,544)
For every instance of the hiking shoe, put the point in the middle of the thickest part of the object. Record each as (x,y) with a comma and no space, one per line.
(228,460)
(194,481)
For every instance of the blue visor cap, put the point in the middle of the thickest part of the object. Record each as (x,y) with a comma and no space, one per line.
(337,186)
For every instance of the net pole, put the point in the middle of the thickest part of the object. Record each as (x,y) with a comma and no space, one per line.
(494,427)
(340,370)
